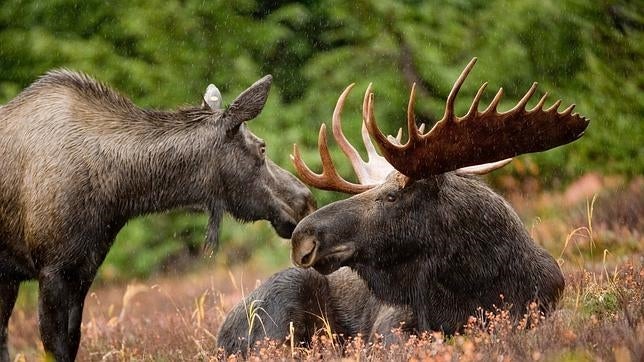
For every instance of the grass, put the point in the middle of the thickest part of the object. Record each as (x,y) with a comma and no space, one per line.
(252,315)
(601,315)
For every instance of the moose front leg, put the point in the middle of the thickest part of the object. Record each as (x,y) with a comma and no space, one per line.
(76,304)
(8,295)
(53,311)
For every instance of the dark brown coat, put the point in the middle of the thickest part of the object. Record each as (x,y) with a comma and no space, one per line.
(429,255)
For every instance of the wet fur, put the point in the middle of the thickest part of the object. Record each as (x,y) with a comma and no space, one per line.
(79,160)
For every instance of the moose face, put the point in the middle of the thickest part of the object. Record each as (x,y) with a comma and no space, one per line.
(256,188)
(401,223)
(362,230)
(252,187)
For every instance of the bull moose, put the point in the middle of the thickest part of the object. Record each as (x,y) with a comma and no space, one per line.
(78,160)
(425,241)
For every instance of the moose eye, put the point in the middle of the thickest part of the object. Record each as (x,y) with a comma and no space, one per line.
(391,197)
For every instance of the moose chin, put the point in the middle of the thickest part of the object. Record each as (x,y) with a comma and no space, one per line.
(423,241)
(78,160)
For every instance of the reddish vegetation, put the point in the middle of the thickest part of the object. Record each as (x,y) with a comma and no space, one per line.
(601,316)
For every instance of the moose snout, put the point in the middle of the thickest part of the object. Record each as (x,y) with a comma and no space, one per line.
(303,250)
(292,212)
(303,204)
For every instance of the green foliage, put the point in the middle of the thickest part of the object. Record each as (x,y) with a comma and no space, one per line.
(156,242)
(603,303)
(28,295)
(163,54)
(160,243)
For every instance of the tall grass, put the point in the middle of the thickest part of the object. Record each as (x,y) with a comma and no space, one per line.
(601,315)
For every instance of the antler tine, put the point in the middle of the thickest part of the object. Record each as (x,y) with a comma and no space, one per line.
(352,154)
(371,150)
(377,166)
(399,136)
(491,109)
(412,129)
(372,154)
(474,108)
(451,98)
(382,141)
(329,179)
(484,168)
(553,107)
(568,111)
(540,104)
(520,107)
(395,140)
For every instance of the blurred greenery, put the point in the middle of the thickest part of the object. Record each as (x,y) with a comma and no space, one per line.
(162,54)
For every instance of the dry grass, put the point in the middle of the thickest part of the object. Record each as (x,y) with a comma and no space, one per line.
(600,319)
(601,316)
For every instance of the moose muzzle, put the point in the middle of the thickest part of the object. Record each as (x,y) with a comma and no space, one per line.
(304,250)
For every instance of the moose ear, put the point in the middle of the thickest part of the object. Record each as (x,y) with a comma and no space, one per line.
(249,103)
(212,98)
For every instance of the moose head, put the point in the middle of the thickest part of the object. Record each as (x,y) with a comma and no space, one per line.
(252,186)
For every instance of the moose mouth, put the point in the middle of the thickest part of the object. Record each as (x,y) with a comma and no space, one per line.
(289,215)
(333,260)
(284,228)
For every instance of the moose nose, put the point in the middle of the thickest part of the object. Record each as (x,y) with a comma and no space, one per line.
(304,250)
(306,204)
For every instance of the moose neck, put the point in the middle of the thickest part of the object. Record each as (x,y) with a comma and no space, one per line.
(162,169)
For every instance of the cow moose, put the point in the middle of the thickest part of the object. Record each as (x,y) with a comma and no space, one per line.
(423,242)
(79,160)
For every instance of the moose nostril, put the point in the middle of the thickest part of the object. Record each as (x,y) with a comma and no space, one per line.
(306,259)
(304,252)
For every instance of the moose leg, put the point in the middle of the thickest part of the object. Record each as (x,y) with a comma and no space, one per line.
(76,304)
(390,318)
(53,311)
(8,295)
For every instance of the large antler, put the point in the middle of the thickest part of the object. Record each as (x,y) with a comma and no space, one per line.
(487,137)
(370,173)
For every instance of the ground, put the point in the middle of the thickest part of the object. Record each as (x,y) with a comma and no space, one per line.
(597,241)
